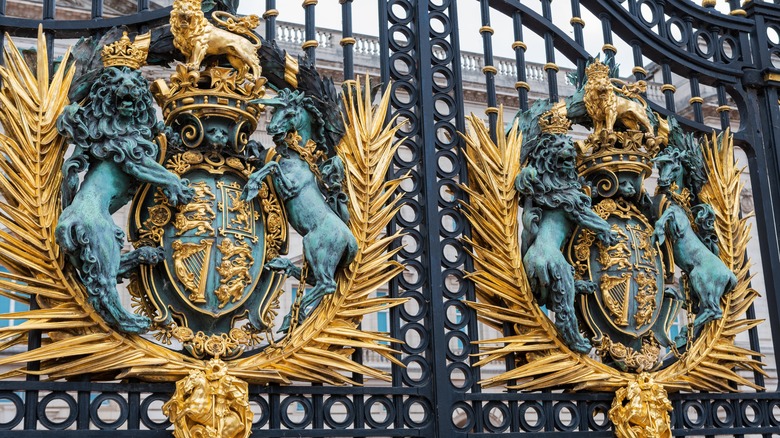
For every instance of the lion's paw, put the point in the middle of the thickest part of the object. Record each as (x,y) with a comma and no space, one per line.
(179,194)
(150,256)
(609,238)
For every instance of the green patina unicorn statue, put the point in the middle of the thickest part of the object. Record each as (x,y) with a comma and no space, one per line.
(303,178)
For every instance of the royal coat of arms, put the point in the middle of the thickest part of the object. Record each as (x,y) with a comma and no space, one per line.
(607,270)
(211,214)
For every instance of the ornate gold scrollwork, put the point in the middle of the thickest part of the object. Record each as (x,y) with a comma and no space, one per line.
(643,360)
(275,232)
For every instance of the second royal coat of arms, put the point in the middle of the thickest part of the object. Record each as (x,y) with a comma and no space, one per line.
(610,285)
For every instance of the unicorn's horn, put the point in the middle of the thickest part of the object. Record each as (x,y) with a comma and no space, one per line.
(268,102)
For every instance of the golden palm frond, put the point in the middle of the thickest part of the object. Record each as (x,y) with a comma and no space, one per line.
(32,154)
(76,340)
(321,348)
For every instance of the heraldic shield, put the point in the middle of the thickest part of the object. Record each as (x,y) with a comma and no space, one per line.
(211,289)
(627,305)
(215,247)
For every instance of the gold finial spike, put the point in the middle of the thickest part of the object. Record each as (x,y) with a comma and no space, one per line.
(125,53)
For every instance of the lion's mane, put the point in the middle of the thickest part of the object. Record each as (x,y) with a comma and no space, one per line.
(545,184)
(594,89)
(201,24)
(100,133)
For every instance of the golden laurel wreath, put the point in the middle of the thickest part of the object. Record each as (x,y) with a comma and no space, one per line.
(77,341)
(712,363)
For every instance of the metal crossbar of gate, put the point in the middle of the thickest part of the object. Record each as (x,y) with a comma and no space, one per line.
(715,66)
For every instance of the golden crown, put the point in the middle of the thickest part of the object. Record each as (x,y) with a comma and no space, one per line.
(125,53)
(555,120)
(217,90)
(617,152)
(597,70)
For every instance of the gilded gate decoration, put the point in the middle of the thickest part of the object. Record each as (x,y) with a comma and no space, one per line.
(210,217)
(594,247)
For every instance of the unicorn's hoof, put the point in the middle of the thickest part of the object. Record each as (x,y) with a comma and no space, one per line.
(706,316)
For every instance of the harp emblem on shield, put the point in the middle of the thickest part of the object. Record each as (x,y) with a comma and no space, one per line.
(191,264)
(615,292)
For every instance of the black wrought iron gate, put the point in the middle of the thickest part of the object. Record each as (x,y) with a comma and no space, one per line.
(731,64)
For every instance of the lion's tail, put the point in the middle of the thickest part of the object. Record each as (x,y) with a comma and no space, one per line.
(70,183)
(239,25)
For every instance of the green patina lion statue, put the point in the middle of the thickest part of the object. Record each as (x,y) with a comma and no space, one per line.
(554,204)
(113,133)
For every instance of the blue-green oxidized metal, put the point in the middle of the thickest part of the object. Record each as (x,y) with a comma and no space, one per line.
(114,134)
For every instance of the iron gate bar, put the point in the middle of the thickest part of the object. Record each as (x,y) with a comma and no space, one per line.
(348,53)
(97,9)
(396,285)
(347,40)
(764,171)
(270,17)
(438,390)
(520,47)
(310,45)
(550,68)
(489,70)
(28,28)
(539,25)
(636,50)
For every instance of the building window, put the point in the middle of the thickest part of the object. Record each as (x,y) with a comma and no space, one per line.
(8,305)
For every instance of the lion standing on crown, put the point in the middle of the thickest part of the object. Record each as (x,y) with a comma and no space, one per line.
(197,38)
